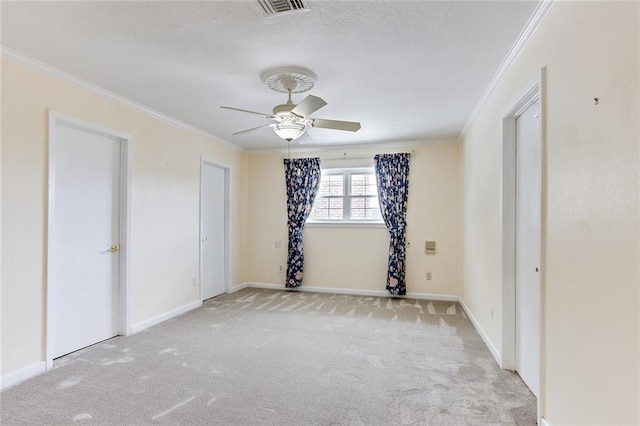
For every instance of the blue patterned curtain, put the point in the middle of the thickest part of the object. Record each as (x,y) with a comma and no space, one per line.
(302,178)
(392,174)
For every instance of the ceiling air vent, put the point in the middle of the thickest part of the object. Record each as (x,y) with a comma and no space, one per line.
(277,7)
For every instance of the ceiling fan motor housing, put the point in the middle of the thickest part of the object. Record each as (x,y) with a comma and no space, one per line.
(284,110)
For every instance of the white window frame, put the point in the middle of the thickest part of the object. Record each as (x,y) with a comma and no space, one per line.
(346,204)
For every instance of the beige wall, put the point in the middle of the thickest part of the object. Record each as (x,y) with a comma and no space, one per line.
(590,277)
(164,211)
(590,209)
(356,258)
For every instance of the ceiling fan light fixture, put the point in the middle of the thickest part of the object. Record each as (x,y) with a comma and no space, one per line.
(288,131)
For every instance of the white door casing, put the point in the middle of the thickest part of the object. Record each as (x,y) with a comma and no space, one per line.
(214,226)
(528,244)
(88,201)
(534,93)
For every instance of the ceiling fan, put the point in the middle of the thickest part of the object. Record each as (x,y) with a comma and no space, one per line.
(292,120)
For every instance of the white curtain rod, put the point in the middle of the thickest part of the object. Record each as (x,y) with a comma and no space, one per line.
(345,156)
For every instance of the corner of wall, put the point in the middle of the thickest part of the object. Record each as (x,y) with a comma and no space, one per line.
(22,374)
(494,351)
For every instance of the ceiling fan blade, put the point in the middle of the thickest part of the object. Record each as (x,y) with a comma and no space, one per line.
(250,130)
(349,126)
(250,112)
(308,106)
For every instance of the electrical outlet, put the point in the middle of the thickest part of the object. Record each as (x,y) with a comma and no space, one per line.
(428,276)
(281,268)
(277,244)
(194,282)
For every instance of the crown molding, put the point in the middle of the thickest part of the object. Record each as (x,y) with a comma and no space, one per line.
(363,146)
(534,22)
(330,147)
(46,69)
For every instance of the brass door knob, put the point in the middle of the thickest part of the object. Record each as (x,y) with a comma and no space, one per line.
(114,249)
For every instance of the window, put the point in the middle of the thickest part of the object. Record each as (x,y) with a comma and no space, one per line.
(346,196)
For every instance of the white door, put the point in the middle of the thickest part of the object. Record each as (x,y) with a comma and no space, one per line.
(528,234)
(85,221)
(212,234)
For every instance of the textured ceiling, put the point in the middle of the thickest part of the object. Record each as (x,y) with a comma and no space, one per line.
(407,70)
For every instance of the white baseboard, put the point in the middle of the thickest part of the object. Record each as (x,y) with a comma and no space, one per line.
(163,317)
(482,334)
(353,291)
(431,296)
(22,374)
(238,287)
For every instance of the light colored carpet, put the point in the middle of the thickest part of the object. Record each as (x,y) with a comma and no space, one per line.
(284,358)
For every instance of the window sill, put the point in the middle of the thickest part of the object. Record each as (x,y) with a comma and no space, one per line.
(345,225)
